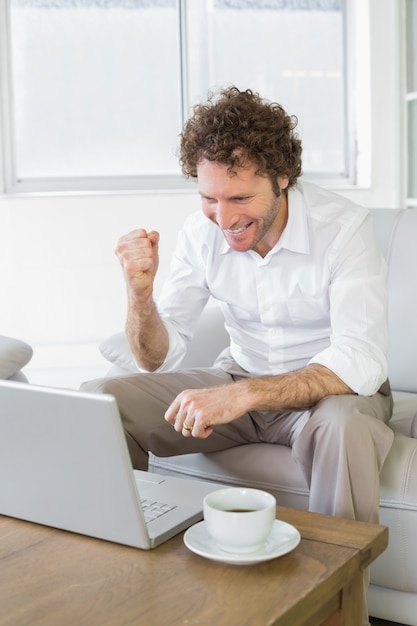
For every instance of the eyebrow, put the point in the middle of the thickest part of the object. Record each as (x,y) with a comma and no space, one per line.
(234,197)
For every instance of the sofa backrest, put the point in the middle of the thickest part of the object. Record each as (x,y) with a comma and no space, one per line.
(396,233)
(209,339)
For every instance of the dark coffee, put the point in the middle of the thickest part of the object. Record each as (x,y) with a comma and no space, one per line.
(241,510)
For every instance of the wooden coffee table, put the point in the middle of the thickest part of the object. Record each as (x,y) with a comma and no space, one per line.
(50,577)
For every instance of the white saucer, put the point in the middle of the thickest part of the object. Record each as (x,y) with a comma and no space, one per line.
(283,539)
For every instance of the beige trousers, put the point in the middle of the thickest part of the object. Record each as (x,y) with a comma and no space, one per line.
(340,449)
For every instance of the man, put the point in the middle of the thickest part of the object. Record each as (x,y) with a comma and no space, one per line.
(301,284)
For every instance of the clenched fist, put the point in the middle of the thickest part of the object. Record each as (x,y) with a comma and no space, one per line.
(138,255)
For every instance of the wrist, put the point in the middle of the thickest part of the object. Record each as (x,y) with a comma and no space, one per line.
(246,394)
(141,304)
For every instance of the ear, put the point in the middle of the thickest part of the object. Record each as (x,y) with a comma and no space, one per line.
(283,182)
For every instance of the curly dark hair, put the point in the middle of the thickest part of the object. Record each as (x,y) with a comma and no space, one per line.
(240,127)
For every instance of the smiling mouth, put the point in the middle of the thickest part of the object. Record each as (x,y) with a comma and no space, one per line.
(237,231)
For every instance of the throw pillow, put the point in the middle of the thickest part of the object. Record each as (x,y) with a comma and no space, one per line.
(116,349)
(14,354)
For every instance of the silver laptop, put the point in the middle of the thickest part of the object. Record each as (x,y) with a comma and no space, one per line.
(64,463)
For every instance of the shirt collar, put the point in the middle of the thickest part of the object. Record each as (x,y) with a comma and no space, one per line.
(295,236)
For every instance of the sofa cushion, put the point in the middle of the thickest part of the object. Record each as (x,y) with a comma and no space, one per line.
(14,354)
(413,432)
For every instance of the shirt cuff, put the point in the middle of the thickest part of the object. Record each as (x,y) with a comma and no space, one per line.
(363,374)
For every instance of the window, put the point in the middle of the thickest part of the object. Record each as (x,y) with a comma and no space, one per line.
(95,92)
(274,48)
(411,97)
(88,98)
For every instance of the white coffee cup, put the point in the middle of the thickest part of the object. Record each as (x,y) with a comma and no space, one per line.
(238,519)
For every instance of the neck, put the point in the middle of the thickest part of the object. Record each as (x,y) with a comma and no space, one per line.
(264,246)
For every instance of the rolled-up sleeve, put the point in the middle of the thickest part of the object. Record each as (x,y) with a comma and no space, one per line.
(358,313)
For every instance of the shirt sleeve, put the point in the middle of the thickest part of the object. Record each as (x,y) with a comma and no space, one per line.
(358,312)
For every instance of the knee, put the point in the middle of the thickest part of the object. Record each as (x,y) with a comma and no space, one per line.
(339,416)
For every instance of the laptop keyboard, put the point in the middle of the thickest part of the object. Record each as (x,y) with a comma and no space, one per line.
(152,509)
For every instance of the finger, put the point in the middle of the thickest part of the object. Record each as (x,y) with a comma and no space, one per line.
(201,432)
(183,422)
(187,429)
(130,238)
(153,237)
(172,412)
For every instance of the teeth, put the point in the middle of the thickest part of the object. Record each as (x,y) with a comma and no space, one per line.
(237,230)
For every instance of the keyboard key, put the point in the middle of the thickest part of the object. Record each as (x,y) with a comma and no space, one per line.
(152,510)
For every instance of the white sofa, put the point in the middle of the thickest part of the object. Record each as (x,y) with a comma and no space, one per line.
(393,590)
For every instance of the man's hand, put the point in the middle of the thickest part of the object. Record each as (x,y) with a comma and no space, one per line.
(194,412)
(138,255)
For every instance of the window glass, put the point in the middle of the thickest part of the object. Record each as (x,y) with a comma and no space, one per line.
(289,51)
(412,45)
(95,87)
(411,25)
(99,89)
(412,149)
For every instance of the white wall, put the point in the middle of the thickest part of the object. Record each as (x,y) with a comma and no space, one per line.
(60,280)
(62,286)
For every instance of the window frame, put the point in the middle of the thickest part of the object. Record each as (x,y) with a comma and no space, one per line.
(410,96)
(9,185)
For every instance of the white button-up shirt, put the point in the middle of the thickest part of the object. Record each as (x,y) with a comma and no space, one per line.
(319,296)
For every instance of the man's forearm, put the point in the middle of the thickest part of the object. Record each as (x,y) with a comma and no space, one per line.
(200,410)
(147,335)
(296,390)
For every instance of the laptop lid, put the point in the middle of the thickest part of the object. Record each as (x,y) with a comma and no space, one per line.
(64,463)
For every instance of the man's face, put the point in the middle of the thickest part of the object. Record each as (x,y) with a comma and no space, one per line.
(243,205)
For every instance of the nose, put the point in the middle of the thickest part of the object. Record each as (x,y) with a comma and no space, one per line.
(225,215)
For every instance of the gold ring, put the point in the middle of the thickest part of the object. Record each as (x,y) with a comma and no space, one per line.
(187,427)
